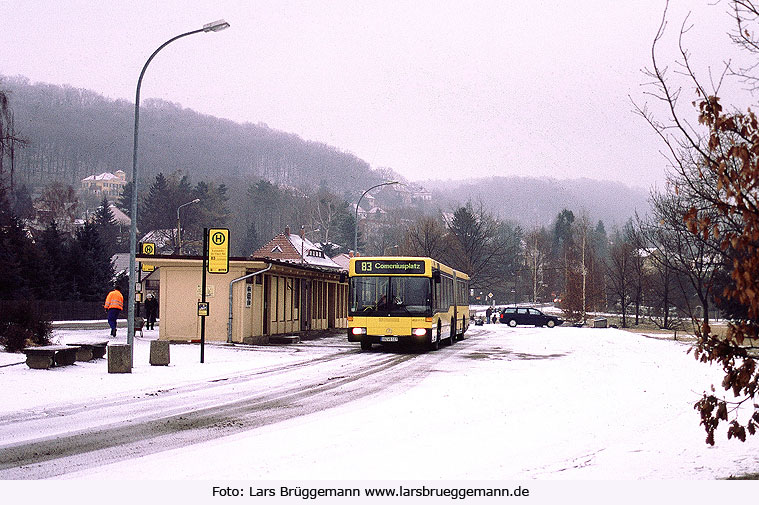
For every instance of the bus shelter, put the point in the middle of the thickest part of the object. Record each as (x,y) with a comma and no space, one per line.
(255,300)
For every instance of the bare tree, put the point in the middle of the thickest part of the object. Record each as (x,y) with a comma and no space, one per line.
(9,138)
(715,195)
(425,237)
(58,203)
(482,246)
(537,249)
(620,272)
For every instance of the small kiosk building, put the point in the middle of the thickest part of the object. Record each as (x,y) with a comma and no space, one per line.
(257,299)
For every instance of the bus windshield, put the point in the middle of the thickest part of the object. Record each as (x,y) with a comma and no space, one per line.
(390,296)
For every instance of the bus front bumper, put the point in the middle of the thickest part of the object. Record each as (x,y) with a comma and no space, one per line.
(418,338)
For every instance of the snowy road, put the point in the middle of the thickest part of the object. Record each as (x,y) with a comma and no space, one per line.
(504,404)
(92,433)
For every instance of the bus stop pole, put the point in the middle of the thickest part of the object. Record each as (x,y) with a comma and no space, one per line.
(203,295)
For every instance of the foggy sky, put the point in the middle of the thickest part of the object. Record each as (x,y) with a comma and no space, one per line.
(432,89)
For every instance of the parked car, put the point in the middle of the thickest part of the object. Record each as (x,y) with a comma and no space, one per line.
(527,315)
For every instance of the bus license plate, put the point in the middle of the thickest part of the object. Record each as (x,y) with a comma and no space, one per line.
(388,339)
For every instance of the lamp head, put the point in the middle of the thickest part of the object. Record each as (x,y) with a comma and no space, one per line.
(216,26)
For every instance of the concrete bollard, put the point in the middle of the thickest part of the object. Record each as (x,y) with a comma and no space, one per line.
(159,352)
(600,322)
(119,358)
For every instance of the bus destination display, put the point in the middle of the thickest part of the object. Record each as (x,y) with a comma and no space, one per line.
(379,267)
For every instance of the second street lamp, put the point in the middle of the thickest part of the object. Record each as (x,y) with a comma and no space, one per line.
(179,226)
(355,229)
(209,27)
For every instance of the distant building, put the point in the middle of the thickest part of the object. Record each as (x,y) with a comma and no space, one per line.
(411,194)
(105,184)
(122,220)
(165,240)
(359,211)
(422,195)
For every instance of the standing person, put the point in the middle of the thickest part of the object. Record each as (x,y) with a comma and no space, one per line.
(151,310)
(114,304)
(487,314)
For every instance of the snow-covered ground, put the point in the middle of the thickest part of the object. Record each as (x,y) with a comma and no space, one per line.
(507,404)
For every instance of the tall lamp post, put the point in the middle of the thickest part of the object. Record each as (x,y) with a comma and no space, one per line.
(355,228)
(179,227)
(210,27)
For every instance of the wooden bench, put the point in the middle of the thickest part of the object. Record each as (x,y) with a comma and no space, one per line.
(47,356)
(90,350)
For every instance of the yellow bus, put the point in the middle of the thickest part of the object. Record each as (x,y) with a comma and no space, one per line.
(406,300)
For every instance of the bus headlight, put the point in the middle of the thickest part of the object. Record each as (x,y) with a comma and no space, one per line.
(358,331)
(419,332)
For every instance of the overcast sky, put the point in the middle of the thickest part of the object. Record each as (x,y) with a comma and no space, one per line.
(432,89)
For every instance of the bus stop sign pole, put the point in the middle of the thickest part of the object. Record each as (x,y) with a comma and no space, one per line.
(203,295)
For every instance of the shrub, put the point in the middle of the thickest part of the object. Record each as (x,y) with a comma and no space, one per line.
(23,326)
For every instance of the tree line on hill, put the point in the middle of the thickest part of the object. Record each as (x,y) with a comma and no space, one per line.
(69,134)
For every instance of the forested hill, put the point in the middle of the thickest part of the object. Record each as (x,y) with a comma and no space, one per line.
(537,201)
(73,133)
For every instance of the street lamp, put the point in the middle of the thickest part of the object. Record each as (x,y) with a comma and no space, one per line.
(209,27)
(355,228)
(179,227)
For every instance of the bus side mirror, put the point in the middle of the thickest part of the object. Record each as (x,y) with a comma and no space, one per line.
(343,277)
(436,276)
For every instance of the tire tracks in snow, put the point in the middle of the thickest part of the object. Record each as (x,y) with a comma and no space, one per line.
(88,434)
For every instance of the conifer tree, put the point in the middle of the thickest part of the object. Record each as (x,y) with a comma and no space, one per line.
(55,281)
(106,226)
(124,203)
(91,264)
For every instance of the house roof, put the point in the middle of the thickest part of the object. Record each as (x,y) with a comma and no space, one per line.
(342,259)
(120,263)
(105,176)
(163,239)
(119,216)
(292,248)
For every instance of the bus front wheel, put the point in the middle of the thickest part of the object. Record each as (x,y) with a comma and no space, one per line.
(366,345)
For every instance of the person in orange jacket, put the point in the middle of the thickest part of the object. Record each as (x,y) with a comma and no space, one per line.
(114,304)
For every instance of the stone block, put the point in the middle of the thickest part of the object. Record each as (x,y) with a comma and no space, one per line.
(256,340)
(84,353)
(39,361)
(119,358)
(159,352)
(66,356)
(284,339)
(600,322)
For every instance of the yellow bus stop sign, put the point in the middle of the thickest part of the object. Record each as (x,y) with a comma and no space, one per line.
(148,248)
(218,250)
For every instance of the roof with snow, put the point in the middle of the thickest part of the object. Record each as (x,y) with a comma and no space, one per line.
(295,249)
(342,259)
(105,176)
(119,216)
